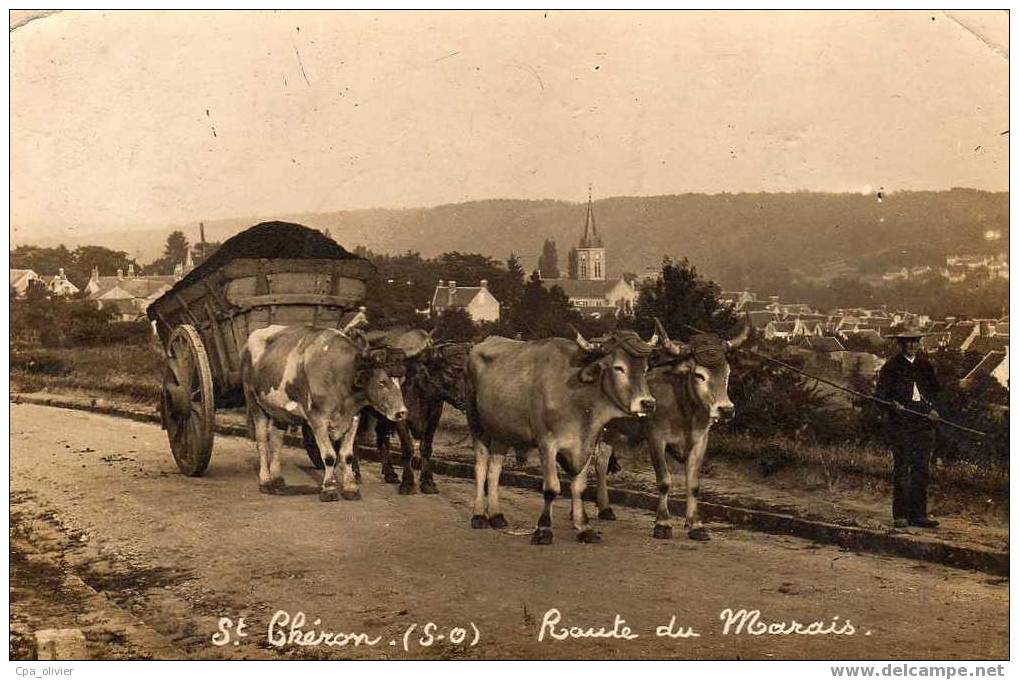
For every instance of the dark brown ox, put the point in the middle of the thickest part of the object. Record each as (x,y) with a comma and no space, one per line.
(556,395)
(322,378)
(692,393)
(434,377)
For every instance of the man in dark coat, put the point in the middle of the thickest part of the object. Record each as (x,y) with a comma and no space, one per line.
(909,382)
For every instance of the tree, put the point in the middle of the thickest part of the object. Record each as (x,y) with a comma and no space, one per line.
(548,264)
(682,299)
(456,325)
(175,251)
(542,313)
(511,284)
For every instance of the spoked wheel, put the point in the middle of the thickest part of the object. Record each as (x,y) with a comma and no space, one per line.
(187,409)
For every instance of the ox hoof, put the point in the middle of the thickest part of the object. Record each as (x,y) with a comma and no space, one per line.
(354,495)
(428,486)
(607,514)
(498,521)
(479,522)
(406,489)
(276,486)
(589,536)
(662,531)
(699,534)
(328,495)
(390,477)
(541,536)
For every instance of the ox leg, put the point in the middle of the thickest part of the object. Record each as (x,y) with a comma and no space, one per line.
(497,454)
(275,458)
(603,456)
(479,520)
(329,460)
(585,534)
(382,430)
(261,426)
(694,527)
(550,490)
(663,522)
(427,480)
(410,458)
(345,458)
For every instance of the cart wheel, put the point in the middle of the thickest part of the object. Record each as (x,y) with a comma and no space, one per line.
(187,406)
(314,455)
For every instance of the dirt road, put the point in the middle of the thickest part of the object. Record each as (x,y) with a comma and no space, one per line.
(109,537)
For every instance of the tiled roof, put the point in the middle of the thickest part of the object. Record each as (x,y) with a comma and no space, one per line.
(458,297)
(990,362)
(18,274)
(825,344)
(988,343)
(760,319)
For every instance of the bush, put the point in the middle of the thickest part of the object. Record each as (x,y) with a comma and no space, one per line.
(39,362)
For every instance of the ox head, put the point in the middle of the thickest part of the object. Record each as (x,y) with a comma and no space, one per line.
(620,363)
(440,371)
(378,376)
(703,363)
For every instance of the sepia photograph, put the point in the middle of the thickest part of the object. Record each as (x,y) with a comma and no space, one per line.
(434,335)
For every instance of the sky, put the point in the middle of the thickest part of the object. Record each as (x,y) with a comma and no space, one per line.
(146,118)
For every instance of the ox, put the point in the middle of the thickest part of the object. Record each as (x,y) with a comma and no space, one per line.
(399,342)
(435,376)
(692,393)
(296,375)
(556,395)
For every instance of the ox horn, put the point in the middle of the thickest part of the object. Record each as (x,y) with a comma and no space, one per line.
(741,337)
(583,342)
(672,347)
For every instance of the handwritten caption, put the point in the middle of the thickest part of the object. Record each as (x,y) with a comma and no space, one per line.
(285,629)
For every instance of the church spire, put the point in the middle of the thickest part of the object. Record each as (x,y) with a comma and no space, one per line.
(590,238)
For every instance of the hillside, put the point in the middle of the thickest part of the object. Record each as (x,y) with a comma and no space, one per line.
(729,237)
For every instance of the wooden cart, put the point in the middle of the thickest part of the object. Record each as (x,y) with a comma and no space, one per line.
(205,321)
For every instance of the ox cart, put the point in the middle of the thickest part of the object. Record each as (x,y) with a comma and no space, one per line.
(272,273)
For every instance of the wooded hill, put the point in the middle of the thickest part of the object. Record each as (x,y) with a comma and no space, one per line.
(736,239)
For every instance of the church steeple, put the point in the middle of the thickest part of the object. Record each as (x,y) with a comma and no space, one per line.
(587,260)
(590,239)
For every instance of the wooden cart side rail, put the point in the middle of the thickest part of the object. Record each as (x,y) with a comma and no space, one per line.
(245,304)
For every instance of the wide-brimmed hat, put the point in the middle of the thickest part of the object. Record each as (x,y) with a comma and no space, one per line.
(907,331)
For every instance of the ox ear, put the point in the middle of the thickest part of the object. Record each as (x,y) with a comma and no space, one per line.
(660,333)
(591,372)
(741,337)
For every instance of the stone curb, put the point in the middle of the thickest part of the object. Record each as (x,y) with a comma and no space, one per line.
(850,538)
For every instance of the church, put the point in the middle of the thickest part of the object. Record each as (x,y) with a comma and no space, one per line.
(587,285)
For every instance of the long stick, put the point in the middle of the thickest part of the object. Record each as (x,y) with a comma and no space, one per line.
(883,402)
(862,395)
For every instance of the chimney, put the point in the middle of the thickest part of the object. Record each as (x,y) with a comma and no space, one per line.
(986,327)
(61,274)
(120,273)
(130,270)
(452,292)
(484,283)
(452,285)
(442,284)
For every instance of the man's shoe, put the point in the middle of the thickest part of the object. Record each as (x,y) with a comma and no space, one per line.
(925,522)
(900,523)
